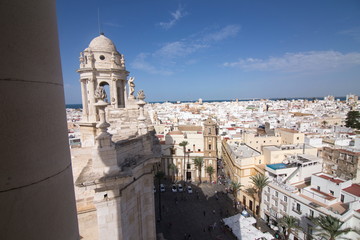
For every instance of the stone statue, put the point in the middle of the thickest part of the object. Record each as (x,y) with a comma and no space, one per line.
(100,93)
(141,95)
(131,86)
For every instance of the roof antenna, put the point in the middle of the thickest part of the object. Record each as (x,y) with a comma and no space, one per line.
(99,25)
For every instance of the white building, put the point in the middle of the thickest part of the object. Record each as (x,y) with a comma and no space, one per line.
(304,200)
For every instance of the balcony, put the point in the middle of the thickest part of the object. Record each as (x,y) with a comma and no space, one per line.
(267,193)
(282,212)
(282,202)
(273,197)
(309,217)
(274,208)
(266,202)
(298,211)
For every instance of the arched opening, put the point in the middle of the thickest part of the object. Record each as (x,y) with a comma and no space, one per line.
(106,87)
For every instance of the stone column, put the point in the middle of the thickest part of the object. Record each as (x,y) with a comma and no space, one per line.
(92,108)
(37,199)
(85,112)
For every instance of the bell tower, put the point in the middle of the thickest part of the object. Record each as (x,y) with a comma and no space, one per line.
(210,138)
(102,67)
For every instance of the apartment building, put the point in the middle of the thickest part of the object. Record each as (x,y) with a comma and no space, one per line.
(305,200)
(343,163)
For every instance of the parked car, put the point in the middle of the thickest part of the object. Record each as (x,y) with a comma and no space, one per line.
(162,188)
(189,189)
(173,188)
(180,188)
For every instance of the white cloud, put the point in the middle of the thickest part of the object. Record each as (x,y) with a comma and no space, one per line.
(178,49)
(195,42)
(175,17)
(300,62)
(167,55)
(352,32)
(226,32)
(141,63)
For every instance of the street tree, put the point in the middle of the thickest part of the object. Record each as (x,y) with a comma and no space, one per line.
(289,224)
(198,162)
(235,188)
(251,191)
(330,227)
(260,181)
(210,170)
(353,119)
(174,169)
(184,144)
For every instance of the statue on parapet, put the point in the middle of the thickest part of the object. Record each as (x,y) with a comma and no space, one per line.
(131,87)
(100,93)
(141,95)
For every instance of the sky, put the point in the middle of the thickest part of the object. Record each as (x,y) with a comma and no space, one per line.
(219,49)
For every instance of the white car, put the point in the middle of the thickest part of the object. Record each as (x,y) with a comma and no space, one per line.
(180,188)
(189,189)
(173,188)
(162,188)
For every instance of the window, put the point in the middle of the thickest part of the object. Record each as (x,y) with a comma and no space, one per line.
(209,146)
(318,188)
(199,150)
(285,198)
(276,194)
(342,198)
(257,141)
(311,213)
(264,141)
(297,138)
(188,166)
(332,192)
(298,207)
(173,150)
(188,149)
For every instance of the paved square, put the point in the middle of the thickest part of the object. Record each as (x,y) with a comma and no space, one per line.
(196,215)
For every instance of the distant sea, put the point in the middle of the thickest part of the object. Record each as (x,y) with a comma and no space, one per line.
(76,106)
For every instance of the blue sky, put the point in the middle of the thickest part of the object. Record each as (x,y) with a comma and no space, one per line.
(212,49)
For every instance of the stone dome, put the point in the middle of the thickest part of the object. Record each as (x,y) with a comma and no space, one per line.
(102,43)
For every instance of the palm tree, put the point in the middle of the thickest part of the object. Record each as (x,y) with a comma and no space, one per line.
(235,188)
(210,170)
(198,162)
(173,168)
(159,175)
(184,144)
(330,227)
(260,181)
(251,192)
(324,123)
(289,223)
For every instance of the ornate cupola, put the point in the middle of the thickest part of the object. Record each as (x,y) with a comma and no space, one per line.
(102,65)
